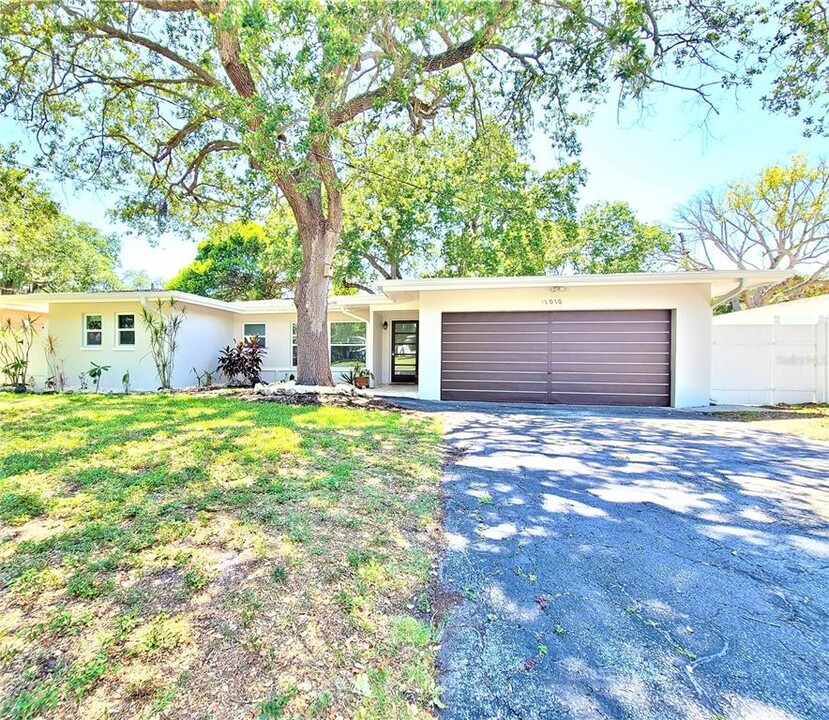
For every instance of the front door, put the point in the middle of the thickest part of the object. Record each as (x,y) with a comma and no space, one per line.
(404,351)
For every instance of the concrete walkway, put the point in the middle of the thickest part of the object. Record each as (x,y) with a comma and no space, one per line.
(632,564)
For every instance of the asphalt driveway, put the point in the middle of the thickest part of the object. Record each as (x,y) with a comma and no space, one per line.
(633,564)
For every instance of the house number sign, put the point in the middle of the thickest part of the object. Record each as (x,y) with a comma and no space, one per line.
(556,300)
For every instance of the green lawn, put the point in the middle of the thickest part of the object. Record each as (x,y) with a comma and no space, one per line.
(809,421)
(191,557)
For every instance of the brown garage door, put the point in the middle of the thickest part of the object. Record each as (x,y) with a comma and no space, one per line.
(587,357)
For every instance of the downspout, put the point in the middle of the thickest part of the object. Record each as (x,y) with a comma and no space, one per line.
(730,295)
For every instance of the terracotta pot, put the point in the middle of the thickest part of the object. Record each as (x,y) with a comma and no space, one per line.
(361,382)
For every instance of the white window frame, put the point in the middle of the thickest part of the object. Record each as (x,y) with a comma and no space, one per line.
(119,329)
(263,338)
(86,331)
(330,323)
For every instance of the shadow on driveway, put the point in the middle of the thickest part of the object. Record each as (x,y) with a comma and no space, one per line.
(630,564)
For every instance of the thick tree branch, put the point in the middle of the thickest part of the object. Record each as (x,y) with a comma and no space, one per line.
(85,26)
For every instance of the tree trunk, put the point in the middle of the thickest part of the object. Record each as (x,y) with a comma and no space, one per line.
(313,361)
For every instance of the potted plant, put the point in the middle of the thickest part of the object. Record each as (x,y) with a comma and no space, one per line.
(359,377)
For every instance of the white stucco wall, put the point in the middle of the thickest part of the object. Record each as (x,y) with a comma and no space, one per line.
(66,324)
(692,325)
(202,334)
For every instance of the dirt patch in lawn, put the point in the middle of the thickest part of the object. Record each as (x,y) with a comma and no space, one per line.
(186,556)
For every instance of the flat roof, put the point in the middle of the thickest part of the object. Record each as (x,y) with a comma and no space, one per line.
(392,291)
(721,281)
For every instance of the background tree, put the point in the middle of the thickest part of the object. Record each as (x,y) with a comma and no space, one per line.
(497,216)
(444,203)
(244,260)
(778,220)
(612,240)
(204,107)
(42,249)
(139,280)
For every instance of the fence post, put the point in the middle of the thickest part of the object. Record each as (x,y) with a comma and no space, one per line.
(774,326)
(822,344)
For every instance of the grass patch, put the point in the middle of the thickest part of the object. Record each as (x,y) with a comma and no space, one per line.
(809,420)
(155,549)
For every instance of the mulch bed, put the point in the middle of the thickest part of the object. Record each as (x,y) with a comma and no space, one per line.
(330,399)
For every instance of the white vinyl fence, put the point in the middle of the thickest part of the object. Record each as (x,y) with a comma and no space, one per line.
(770,364)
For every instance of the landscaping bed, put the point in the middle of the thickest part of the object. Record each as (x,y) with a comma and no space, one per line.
(186,556)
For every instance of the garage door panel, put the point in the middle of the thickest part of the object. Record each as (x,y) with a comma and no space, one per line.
(586,348)
(614,336)
(496,346)
(593,316)
(612,387)
(502,336)
(605,377)
(529,316)
(474,365)
(506,383)
(502,356)
(579,367)
(499,395)
(538,376)
(583,357)
(609,399)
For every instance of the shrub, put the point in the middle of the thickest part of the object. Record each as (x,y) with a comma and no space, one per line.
(242,360)
(162,323)
(15,344)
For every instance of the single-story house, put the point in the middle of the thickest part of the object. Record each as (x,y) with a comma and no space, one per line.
(772,354)
(627,339)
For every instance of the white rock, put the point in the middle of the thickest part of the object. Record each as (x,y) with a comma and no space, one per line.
(291,388)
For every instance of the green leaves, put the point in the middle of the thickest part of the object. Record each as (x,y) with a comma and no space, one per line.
(612,240)
(449,204)
(244,261)
(43,249)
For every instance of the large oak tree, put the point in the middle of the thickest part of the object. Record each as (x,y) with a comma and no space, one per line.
(200,107)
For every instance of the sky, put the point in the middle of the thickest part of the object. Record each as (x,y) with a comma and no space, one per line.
(655,159)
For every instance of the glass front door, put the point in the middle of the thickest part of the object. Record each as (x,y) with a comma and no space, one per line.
(404,339)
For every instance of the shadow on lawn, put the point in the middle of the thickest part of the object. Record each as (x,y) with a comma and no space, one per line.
(634,565)
(198,556)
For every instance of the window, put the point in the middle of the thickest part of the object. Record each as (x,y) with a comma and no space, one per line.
(251,330)
(93,330)
(348,343)
(125,330)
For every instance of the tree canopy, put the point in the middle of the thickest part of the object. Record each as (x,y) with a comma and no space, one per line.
(43,249)
(799,50)
(447,204)
(244,260)
(612,240)
(200,108)
(777,220)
